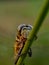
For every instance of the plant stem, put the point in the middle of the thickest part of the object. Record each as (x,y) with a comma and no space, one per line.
(38,23)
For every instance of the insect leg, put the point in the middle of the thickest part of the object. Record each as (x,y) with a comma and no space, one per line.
(30,52)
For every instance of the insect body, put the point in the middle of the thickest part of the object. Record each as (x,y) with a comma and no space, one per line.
(18,48)
(23,32)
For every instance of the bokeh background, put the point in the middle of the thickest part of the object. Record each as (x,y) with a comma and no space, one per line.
(14,13)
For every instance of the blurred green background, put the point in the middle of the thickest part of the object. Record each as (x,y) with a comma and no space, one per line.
(13,13)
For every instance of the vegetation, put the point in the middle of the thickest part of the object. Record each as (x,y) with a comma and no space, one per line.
(11,15)
(36,27)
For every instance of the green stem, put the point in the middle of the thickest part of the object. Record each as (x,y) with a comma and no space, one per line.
(36,27)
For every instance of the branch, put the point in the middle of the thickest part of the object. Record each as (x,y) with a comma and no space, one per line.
(38,23)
